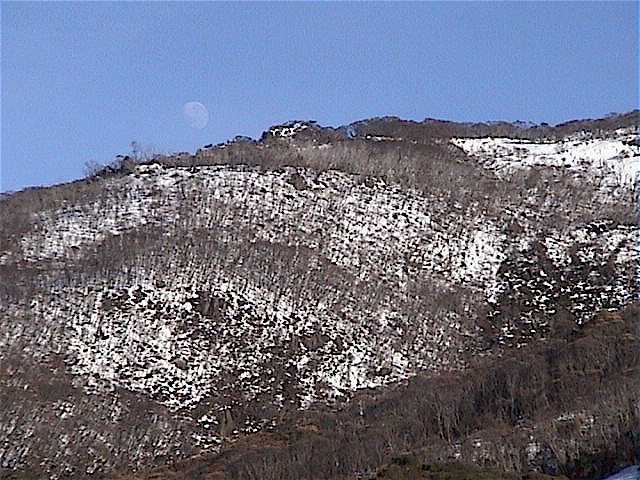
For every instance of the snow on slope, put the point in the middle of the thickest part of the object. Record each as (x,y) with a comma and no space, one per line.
(370,229)
(362,227)
(610,162)
(615,160)
(629,473)
(203,340)
(154,340)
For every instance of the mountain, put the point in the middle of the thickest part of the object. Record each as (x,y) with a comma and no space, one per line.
(317,302)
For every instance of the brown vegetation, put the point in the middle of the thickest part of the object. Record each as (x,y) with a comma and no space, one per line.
(410,468)
(574,396)
(547,394)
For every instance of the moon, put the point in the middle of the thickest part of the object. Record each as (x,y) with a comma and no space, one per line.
(196,115)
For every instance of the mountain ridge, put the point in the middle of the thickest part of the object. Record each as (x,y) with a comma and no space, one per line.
(237,291)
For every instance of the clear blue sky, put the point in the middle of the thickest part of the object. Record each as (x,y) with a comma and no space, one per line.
(81,80)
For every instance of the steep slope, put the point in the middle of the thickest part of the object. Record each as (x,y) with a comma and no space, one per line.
(162,310)
(567,405)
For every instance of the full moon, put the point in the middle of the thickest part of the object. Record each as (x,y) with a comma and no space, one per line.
(196,115)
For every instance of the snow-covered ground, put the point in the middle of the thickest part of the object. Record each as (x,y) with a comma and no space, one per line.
(389,281)
(376,230)
(615,161)
(308,285)
(365,229)
(629,473)
(360,226)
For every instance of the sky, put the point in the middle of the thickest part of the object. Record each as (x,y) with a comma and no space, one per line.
(81,80)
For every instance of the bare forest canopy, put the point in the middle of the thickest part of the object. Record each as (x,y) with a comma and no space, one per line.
(366,301)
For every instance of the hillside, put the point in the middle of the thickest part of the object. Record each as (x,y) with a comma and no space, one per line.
(317,302)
